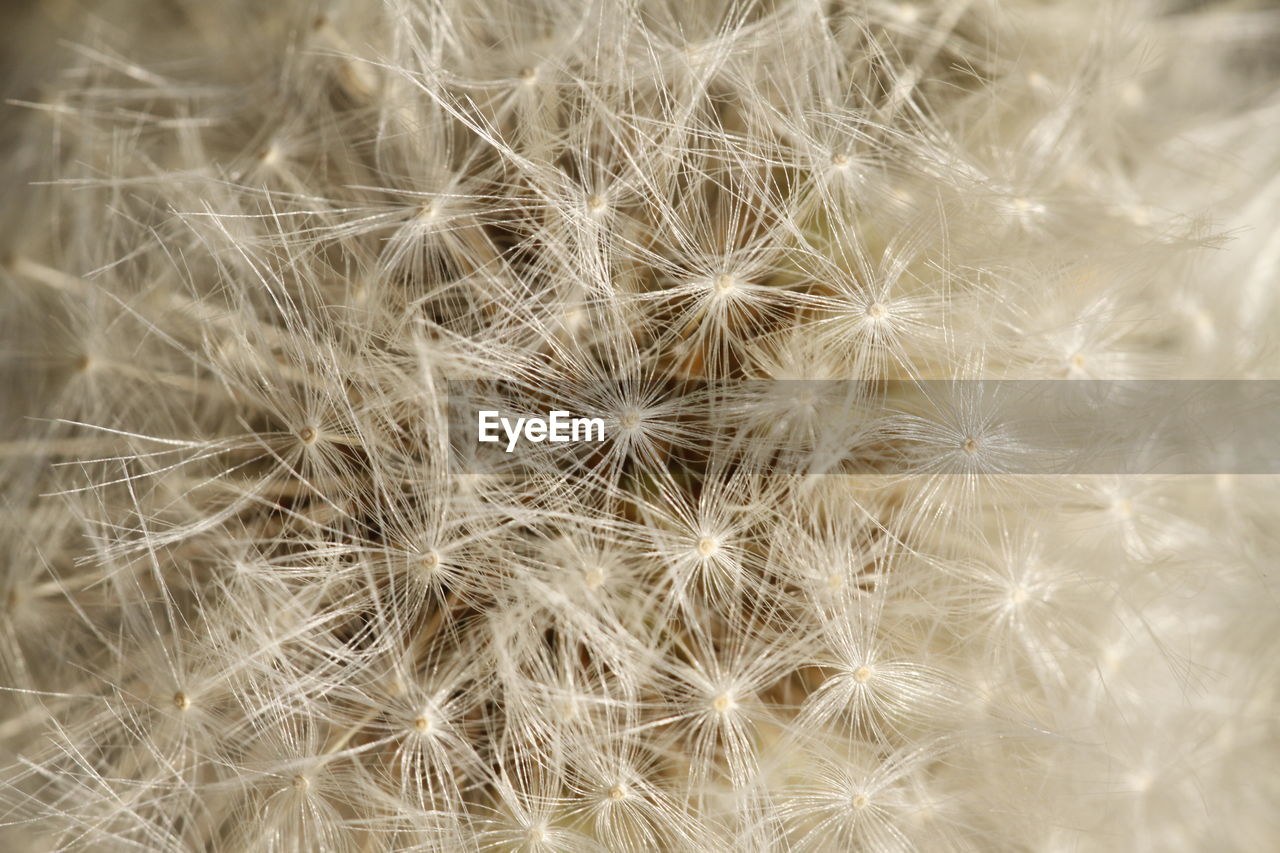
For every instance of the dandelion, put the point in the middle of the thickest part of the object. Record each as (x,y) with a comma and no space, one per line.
(815,589)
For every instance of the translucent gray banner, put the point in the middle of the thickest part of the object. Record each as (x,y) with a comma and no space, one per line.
(997,427)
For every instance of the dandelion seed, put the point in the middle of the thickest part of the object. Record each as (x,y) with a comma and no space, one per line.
(725,284)
(906,13)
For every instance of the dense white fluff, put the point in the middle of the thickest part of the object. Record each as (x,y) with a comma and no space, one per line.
(250,602)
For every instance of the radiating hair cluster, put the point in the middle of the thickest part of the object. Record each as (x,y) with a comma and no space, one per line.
(251,600)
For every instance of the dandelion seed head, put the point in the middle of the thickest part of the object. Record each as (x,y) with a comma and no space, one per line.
(262,594)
